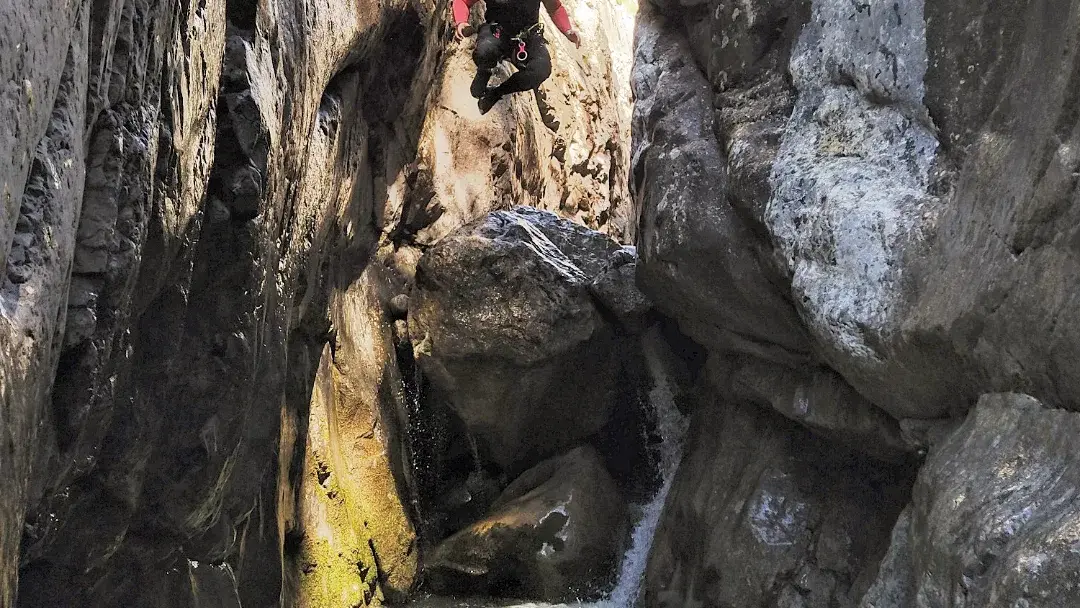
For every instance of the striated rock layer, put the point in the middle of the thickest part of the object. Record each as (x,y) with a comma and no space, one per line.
(206,209)
(992,521)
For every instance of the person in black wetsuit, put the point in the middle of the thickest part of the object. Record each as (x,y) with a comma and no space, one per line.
(511,31)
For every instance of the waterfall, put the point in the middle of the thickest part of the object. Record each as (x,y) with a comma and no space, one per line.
(671,425)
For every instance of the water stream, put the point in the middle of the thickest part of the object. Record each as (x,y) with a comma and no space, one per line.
(671,426)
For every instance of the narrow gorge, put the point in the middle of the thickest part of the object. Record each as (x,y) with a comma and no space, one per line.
(752,304)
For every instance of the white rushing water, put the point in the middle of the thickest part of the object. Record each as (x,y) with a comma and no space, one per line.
(671,426)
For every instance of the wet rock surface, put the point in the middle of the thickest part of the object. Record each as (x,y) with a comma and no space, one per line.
(762,513)
(555,534)
(991,521)
(503,324)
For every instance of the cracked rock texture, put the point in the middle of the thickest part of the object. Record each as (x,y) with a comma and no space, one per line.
(206,209)
(873,223)
(992,519)
(504,324)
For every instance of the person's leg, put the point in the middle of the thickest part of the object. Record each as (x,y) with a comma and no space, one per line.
(488,52)
(535,70)
(530,75)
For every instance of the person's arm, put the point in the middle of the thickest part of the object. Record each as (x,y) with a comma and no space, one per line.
(461,18)
(461,11)
(562,20)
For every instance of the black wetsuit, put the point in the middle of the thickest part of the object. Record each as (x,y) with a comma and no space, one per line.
(504,20)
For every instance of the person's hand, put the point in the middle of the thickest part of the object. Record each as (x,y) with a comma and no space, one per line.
(572,36)
(463,30)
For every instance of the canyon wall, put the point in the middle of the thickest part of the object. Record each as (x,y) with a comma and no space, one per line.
(207,210)
(284,321)
(866,212)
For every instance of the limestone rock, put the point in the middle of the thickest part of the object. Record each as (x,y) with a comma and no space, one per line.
(998,289)
(186,191)
(617,292)
(851,189)
(555,534)
(563,148)
(907,282)
(358,541)
(818,399)
(991,514)
(503,323)
(700,261)
(761,509)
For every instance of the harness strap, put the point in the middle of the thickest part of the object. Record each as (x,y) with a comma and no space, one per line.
(522,54)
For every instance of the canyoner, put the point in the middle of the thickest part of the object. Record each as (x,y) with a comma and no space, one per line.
(512,32)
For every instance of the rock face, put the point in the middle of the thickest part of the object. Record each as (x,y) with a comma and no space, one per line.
(192,193)
(762,513)
(991,521)
(503,323)
(816,398)
(563,149)
(555,534)
(699,258)
(822,228)
(353,531)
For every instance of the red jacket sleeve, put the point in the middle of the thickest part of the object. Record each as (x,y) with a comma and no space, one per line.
(560,18)
(461,10)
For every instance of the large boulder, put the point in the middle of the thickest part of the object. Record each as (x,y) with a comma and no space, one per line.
(555,534)
(852,192)
(762,513)
(503,324)
(992,520)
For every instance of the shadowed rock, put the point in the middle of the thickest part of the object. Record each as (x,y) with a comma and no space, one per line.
(503,323)
(555,534)
(763,513)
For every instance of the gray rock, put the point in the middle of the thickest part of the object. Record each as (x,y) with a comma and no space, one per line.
(997,292)
(617,292)
(758,503)
(502,322)
(909,285)
(820,400)
(699,261)
(851,187)
(555,534)
(992,519)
